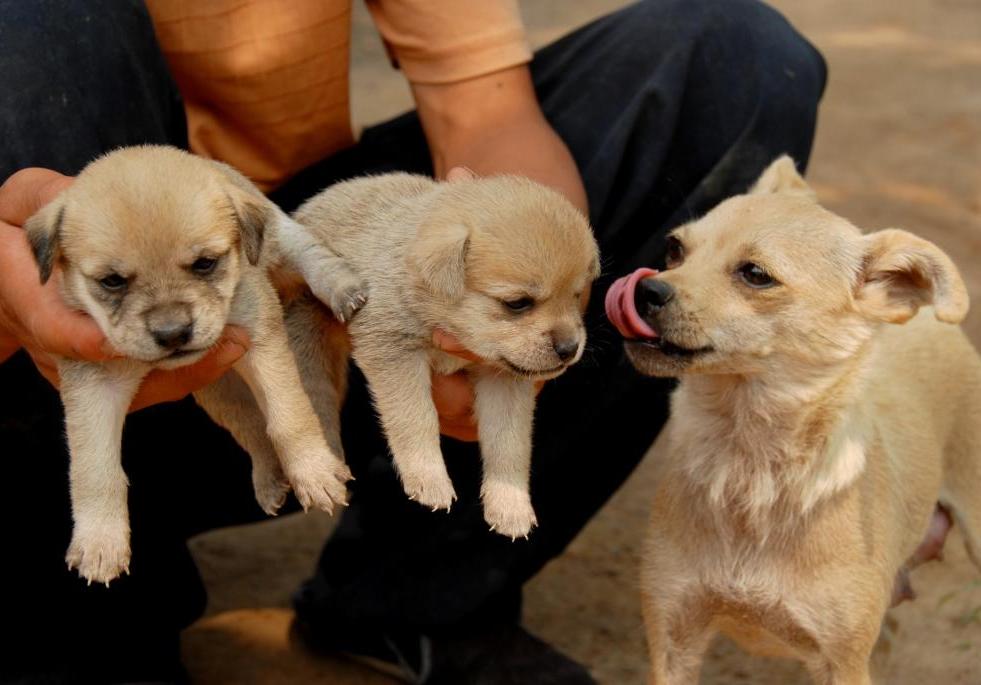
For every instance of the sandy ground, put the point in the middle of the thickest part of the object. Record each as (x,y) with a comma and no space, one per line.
(899,144)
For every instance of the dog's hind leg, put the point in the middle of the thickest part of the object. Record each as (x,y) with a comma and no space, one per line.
(961,491)
(321,348)
(230,404)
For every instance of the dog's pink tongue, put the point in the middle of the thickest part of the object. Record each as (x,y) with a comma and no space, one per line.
(620,308)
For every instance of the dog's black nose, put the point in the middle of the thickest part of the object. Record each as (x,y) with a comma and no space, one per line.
(173,335)
(566,349)
(651,295)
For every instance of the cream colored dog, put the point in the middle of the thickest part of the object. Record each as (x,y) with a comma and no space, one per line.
(811,436)
(503,264)
(163,249)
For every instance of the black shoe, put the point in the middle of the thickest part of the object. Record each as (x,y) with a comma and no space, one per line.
(503,655)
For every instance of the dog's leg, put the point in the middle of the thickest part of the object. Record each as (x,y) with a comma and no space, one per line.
(230,404)
(327,274)
(399,381)
(505,408)
(321,348)
(316,473)
(962,477)
(672,662)
(96,399)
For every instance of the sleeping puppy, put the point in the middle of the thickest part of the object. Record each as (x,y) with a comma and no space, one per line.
(503,264)
(818,422)
(164,249)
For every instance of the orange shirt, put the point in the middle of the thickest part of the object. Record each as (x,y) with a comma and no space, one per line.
(265,82)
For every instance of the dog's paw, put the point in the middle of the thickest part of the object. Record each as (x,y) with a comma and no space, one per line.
(319,483)
(99,555)
(271,487)
(429,486)
(345,296)
(508,510)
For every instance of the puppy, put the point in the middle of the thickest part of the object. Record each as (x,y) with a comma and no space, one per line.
(811,435)
(503,264)
(163,249)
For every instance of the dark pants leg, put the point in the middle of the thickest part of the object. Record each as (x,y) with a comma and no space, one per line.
(668,106)
(78,79)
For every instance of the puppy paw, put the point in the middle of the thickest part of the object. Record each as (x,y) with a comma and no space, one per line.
(271,488)
(99,555)
(345,296)
(508,510)
(319,483)
(430,487)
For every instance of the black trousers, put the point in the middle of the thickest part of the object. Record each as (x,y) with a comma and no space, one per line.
(668,107)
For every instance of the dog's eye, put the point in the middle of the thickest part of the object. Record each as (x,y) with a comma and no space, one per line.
(674,253)
(204,265)
(114,283)
(522,304)
(755,276)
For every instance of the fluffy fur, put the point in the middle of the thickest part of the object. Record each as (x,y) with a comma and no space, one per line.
(811,437)
(163,249)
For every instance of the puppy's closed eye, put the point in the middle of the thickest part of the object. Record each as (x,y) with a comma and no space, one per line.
(114,283)
(519,305)
(204,266)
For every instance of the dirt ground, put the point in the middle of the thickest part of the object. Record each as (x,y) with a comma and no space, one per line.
(899,144)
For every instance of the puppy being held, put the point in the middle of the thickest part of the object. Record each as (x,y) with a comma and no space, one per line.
(819,421)
(501,263)
(164,249)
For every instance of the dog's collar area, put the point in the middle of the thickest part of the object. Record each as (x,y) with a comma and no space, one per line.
(671,349)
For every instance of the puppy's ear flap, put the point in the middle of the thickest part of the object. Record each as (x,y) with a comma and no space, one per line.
(44,235)
(902,273)
(438,259)
(781,177)
(253,212)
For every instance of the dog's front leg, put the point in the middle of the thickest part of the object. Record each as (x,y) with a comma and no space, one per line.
(399,381)
(96,398)
(318,476)
(505,408)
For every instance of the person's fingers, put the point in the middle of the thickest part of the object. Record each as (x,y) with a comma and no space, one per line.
(449,344)
(459,431)
(453,397)
(170,385)
(460,173)
(27,191)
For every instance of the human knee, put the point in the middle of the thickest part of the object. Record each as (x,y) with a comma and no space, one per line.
(743,39)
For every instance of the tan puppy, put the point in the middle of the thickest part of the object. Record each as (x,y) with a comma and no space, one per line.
(811,435)
(502,263)
(163,249)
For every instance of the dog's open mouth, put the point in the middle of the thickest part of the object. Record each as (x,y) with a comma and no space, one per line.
(671,349)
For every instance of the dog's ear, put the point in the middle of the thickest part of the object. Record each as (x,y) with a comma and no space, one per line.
(902,273)
(781,177)
(438,258)
(43,231)
(252,212)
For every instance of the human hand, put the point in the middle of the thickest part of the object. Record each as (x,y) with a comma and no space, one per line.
(453,394)
(35,317)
